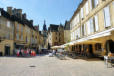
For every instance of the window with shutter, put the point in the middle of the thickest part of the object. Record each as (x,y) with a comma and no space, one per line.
(74,22)
(84,29)
(82,13)
(113,4)
(77,18)
(8,35)
(74,35)
(96,2)
(96,23)
(8,23)
(17,36)
(21,37)
(78,32)
(91,25)
(87,10)
(107,16)
(91,4)
(81,30)
(88,26)
(22,29)
(17,27)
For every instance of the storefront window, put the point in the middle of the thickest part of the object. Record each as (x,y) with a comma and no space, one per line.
(98,47)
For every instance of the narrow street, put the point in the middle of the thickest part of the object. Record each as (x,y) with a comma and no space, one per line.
(52,66)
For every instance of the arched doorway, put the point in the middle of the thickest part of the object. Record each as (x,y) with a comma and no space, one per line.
(90,49)
(7,50)
(109,46)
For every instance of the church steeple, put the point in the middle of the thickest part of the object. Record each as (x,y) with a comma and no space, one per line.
(44,26)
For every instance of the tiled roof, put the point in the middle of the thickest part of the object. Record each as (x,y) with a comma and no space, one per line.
(14,18)
(53,27)
(67,25)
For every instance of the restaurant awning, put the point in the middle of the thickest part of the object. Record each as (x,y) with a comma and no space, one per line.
(90,39)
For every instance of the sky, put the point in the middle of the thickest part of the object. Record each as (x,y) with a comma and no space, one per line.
(53,11)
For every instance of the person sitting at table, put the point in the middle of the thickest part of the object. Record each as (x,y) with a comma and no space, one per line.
(110,54)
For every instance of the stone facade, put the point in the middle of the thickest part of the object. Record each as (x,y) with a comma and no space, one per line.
(92,26)
(55,35)
(67,37)
(16,31)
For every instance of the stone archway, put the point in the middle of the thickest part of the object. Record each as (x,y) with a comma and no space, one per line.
(109,46)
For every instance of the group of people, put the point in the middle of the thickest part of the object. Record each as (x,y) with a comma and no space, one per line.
(54,52)
(25,52)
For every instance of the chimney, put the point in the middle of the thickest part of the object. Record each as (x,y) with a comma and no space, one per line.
(9,10)
(38,27)
(31,21)
(24,16)
(19,13)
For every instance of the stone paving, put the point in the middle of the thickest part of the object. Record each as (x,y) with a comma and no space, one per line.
(52,66)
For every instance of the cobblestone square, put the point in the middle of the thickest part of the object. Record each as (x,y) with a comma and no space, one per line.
(52,66)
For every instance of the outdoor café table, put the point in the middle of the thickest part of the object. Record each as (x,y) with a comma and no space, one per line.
(106,59)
